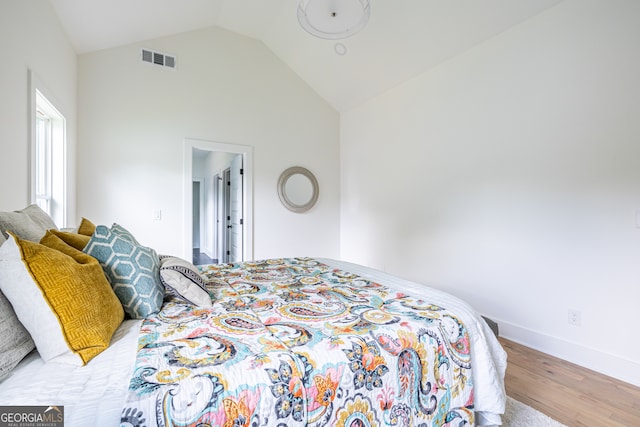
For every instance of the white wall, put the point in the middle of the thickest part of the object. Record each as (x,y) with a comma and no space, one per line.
(134,117)
(32,38)
(510,176)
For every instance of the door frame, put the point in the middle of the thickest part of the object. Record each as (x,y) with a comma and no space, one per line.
(201,199)
(247,190)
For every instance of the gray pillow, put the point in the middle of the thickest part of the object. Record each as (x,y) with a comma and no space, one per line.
(30,223)
(15,341)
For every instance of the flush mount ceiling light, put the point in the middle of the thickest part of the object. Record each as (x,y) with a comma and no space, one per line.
(333,19)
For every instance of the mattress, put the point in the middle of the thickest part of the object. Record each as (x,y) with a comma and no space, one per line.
(92,395)
(95,394)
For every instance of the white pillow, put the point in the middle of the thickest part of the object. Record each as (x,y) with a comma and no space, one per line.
(32,309)
(182,279)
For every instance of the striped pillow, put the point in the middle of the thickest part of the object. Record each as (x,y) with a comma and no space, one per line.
(182,280)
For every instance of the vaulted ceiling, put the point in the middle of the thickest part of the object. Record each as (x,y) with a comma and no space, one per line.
(403,39)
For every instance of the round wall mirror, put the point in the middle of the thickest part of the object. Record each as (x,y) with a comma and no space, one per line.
(298,189)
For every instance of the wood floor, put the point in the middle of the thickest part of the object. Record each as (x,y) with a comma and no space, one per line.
(568,393)
(200,258)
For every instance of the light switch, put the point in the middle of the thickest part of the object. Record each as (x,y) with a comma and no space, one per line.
(157,215)
(638,219)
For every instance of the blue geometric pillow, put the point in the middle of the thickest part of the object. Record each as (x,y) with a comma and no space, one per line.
(132,270)
(124,233)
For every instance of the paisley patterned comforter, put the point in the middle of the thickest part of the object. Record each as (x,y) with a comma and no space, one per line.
(294,342)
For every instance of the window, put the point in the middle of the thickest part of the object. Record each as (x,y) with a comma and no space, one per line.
(43,176)
(48,159)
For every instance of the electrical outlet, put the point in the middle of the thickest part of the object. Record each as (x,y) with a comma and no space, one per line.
(574,317)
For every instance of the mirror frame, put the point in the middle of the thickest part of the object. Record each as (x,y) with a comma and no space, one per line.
(282,182)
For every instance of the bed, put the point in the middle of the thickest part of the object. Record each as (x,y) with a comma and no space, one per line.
(283,342)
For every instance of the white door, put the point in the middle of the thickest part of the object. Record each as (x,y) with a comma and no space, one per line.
(217,216)
(235,210)
(226,214)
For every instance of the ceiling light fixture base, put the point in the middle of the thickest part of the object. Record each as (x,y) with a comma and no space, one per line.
(333,20)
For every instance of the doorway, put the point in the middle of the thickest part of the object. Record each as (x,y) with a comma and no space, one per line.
(218,218)
(200,256)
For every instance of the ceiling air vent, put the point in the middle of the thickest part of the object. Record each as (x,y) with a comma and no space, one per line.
(158,58)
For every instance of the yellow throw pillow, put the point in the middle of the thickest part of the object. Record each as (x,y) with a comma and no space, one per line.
(75,240)
(86,227)
(61,296)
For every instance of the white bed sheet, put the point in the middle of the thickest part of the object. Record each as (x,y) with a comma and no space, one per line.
(92,395)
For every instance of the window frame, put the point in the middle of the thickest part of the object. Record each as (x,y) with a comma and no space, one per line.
(44,104)
(43,148)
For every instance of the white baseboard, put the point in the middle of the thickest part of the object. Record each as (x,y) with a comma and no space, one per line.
(596,360)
